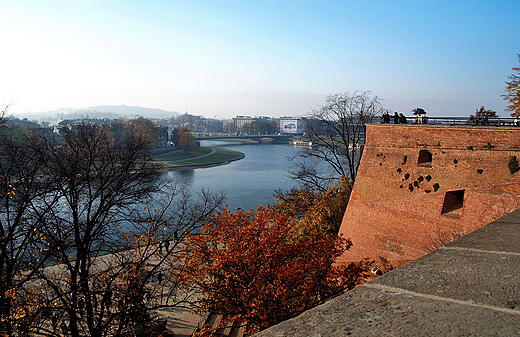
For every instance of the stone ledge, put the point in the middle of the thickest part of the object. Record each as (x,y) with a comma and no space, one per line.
(470,287)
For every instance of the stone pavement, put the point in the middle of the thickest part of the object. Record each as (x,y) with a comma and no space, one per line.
(183,322)
(470,287)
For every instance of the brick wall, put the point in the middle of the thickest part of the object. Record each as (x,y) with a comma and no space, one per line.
(419,185)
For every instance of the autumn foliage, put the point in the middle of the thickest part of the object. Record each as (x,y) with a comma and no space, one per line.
(316,210)
(249,268)
(513,92)
(93,241)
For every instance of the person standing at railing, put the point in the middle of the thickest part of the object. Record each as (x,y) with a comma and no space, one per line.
(385,119)
(396,118)
(420,118)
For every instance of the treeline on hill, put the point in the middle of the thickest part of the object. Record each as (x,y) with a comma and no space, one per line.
(69,201)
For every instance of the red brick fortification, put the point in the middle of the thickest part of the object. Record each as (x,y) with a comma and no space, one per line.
(421,185)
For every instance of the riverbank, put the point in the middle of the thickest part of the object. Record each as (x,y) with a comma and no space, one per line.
(199,158)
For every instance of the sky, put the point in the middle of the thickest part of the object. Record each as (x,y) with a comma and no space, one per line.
(221,58)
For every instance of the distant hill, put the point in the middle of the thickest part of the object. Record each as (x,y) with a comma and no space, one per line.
(105,111)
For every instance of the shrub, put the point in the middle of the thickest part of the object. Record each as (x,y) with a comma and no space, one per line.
(488,146)
(513,165)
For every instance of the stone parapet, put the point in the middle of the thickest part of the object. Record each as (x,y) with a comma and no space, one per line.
(469,287)
(443,136)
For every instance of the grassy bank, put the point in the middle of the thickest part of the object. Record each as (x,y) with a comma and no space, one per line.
(181,155)
(200,157)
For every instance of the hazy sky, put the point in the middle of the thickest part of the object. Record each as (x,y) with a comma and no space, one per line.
(258,58)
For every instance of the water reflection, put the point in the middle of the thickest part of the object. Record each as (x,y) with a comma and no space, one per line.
(248,182)
(186,176)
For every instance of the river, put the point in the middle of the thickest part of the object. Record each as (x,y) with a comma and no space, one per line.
(248,182)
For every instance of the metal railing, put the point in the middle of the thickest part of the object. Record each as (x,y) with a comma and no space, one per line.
(498,121)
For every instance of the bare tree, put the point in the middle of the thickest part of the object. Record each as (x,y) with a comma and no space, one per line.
(22,189)
(96,180)
(3,118)
(337,133)
(156,260)
(111,199)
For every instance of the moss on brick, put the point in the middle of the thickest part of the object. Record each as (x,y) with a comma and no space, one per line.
(488,146)
(513,165)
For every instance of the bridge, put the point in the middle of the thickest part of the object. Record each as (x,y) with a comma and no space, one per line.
(257,138)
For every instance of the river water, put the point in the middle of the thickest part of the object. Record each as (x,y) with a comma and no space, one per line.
(248,182)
